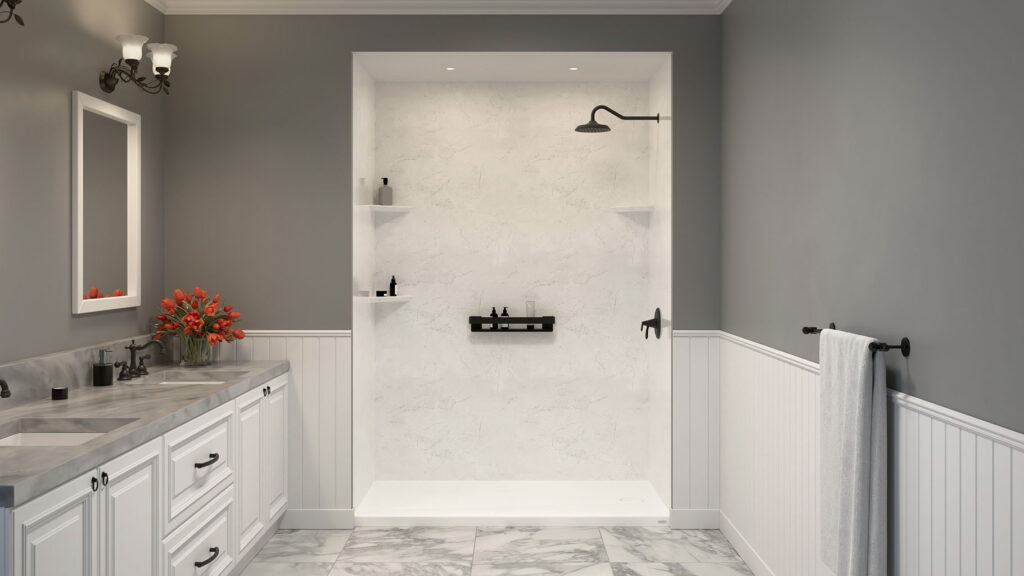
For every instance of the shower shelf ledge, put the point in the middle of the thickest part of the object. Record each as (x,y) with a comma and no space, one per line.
(382,299)
(633,209)
(377,209)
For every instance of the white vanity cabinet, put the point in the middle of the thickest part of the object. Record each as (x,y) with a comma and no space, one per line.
(190,502)
(57,534)
(261,484)
(130,526)
(105,523)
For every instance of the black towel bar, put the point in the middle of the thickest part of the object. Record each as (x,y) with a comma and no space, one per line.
(903,346)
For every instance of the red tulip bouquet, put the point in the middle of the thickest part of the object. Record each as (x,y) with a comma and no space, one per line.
(199,322)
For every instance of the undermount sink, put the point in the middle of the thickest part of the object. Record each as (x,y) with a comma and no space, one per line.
(57,431)
(210,377)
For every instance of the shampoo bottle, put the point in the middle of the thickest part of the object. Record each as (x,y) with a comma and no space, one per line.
(384,194)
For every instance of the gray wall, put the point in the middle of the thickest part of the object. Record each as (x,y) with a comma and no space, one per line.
(63,46)
(872,177)
(259,134)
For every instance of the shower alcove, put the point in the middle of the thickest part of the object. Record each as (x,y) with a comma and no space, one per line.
(503,202)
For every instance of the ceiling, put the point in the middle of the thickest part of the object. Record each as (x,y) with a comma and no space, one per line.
(512,66)
(398,7)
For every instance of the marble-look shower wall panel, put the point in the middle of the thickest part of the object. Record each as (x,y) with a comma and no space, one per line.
(509,204)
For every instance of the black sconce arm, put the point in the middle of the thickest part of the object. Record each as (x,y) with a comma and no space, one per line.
(7,12)
(125,70)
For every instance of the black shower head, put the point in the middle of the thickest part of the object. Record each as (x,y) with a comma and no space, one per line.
(594,127)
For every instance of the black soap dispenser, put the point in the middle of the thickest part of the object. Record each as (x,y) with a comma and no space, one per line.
(103,371)
(504,314)
(494,314)
(393,288)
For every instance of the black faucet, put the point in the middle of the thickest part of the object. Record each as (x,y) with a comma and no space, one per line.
(5,391)
(133,368)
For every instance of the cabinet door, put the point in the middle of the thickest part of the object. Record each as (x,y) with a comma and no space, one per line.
(56,534)
(276,446)
(248,480)
(130,524)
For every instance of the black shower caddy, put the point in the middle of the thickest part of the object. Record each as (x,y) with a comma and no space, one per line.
(517,324)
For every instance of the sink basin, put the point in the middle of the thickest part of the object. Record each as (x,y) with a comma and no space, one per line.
(210,377)
(57,431)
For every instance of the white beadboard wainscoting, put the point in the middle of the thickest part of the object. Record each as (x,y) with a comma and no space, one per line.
(958,501)
(695,429)
(320,420)
(769,428)
(956,482)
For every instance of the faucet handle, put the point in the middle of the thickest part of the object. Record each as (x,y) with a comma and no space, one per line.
(142,370)
(125,374)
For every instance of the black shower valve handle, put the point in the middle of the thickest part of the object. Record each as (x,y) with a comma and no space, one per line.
(655,323)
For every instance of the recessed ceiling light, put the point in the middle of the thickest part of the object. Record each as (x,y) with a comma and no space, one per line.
(574,68)
(450,68)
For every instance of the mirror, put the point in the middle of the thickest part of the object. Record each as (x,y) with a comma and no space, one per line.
(106,191)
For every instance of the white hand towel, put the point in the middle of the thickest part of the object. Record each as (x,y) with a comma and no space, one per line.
(853,456)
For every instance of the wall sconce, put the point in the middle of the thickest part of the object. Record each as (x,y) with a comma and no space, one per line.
(125,69)
(10,5)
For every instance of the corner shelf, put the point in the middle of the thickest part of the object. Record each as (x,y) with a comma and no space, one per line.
(382,299)
(633,209)
(376,209)
(535,324)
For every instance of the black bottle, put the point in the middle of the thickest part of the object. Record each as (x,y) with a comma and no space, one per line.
(504,314)
(494,314)
(103,371)
(394,285)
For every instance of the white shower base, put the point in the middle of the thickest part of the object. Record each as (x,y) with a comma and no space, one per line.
(514,503)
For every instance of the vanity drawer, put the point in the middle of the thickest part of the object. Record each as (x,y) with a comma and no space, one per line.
(205,539)
(199,458)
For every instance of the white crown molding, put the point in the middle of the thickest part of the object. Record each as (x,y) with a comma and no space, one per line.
(439,7)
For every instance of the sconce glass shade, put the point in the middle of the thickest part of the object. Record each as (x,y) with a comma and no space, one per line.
(131,46)
(161,55)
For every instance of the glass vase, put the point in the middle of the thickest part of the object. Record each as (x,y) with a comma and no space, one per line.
(195,351)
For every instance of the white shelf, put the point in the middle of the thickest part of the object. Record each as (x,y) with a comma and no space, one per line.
(385,209)
(633,209)
(382,299)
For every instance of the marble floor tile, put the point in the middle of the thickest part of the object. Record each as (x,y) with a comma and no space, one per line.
(304,546)
(664,569)
(656,544)
(403,545)
(287,569)
(525,545)
(543,569)
(395,569)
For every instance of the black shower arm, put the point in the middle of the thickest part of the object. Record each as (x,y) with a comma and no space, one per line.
(593,115)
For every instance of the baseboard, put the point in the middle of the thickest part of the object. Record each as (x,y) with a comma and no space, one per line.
(318,520)
(754,561)
(695,519)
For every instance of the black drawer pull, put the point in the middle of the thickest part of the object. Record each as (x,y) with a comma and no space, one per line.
(95,484)
(104,479)
(214,552)
(213,459)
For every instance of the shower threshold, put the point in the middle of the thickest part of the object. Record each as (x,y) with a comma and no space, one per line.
(511,503)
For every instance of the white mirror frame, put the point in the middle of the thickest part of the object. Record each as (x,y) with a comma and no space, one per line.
(82,103)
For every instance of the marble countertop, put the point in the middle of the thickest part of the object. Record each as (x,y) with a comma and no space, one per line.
(29,471)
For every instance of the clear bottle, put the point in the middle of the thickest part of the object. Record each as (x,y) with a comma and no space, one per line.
(385,196)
